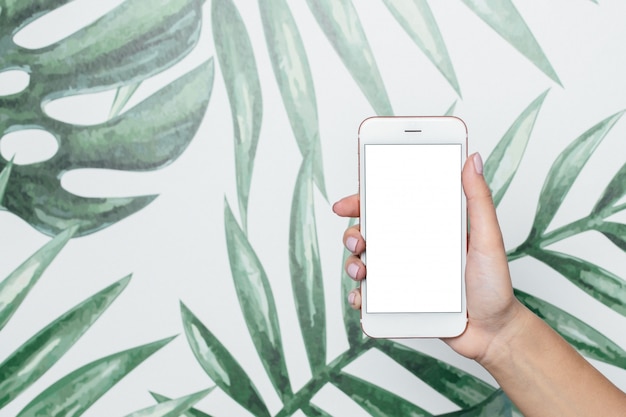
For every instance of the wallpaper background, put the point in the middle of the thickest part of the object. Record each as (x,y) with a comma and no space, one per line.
(176,247)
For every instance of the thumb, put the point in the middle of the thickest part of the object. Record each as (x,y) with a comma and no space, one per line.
(485,235)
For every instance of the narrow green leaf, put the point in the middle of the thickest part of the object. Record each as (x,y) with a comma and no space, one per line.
(306,269)
(18,284)
(311,410)
(460,387)
(612,194)
(257,304)
(377,401)
(295,81)
(583,337)
(236,58)
(4,179)
(341,25)
(351,317)
(191,412)
(450,111)
(31,360)
(497,404)
(77,391)
(599,283)
(502,164)
(503,17)
(615,232)
(418,21)
(172,408)
(564,172)
(122,96)
(220,365)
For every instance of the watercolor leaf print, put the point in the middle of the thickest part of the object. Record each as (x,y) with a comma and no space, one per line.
(4,179)
(220,365)
(190,412)
(295,81)
(418,22)
(31,360)
(77,391)
(15,287)
(172,408)
(306,269)
(565,170)
(39,353)
(503,17)
(341,24)
(236,58)
(504,160)
(104,55)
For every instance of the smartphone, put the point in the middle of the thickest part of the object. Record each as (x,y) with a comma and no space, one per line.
(414,221)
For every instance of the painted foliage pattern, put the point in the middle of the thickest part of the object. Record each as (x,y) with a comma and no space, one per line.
(137,40)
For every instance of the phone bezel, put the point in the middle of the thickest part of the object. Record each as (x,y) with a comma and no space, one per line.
(412,130)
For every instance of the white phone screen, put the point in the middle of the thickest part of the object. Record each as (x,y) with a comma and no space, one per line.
(413,227)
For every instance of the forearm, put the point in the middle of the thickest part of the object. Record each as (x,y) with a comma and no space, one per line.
(544,376)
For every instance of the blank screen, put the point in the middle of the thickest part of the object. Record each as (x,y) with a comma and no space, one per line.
(413,227)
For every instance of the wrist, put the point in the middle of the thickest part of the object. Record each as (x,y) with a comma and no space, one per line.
(514,323)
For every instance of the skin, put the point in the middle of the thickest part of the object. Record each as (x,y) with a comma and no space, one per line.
(540,372)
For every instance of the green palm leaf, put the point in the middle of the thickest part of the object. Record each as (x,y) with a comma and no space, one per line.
(377,401)
(306,269)
(18,284)
(341,25)
(599,283)
(311,410)
(236,58)
(615,232)
(418,21)
(172,408)
(504,18)
(502,164)
(128,45)
(257,304)
(220,365)
(73,394)
(460,387)
(295,81)
(146,137)
(4,179)
(612,194)
(31,360)
(190,412)
(497,404)
(450,111)
(564,172)
(583,337)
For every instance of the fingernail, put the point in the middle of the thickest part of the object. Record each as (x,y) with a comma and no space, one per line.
(353,269)
(351,243)
(351,297)
(478,163)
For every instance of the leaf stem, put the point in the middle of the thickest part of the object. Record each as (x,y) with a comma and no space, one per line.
(563,232)
(325,375)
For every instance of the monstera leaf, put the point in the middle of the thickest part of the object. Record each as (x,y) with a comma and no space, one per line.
(133,42)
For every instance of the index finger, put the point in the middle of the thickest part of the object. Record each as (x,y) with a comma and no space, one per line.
(347,206)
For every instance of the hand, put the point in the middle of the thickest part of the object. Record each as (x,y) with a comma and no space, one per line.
(493,310)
